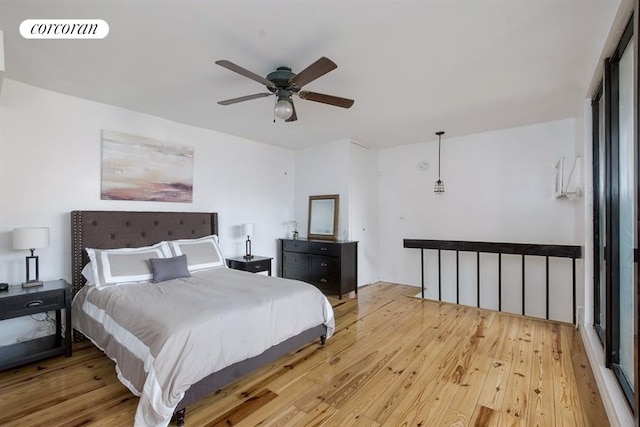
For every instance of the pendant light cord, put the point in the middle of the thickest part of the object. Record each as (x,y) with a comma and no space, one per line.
(439,137)
(439,187)
(439,133)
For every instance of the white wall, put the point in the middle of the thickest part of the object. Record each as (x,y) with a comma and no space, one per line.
(50,164)
(363,210)
(499,187)
(347,169)
(323,169)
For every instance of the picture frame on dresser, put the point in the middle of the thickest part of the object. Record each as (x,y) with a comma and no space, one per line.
(323,217)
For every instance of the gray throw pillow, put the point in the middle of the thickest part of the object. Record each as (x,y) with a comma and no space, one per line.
(169,268)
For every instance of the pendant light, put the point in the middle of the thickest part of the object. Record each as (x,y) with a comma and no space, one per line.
(439,187)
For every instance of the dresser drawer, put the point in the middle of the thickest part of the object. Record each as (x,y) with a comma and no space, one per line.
(295,246)
(326,281)
(322,248)
(29,304)
(295,273)
(325,264)
(295,260)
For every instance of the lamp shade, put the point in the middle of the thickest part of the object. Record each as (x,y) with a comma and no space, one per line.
(247,229)
(30,237)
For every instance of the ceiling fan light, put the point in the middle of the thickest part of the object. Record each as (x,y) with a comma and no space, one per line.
(283,109)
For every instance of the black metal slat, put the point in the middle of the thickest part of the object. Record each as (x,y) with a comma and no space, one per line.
(457,277)
(499,282)
(573,293)
(422,269)
(547,291)
(523,287)
(478,279)
(439,276)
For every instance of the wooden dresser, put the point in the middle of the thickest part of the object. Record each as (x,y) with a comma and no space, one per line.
(332,266)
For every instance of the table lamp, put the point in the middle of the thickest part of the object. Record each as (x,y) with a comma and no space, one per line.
(31,238)
(247,230)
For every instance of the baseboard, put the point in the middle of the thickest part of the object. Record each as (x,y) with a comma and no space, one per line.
(613,400)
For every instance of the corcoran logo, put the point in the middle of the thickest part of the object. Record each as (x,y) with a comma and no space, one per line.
(64,29)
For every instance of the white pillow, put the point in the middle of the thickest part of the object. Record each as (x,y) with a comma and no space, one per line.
(125,265)
(87,273)
(201,253)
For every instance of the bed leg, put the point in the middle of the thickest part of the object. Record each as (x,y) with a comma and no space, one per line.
(323,339)
(179,417)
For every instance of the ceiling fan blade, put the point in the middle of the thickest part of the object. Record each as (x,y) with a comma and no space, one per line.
(243,98)
(294,116)
(244,72)
(326,99)
(319,68)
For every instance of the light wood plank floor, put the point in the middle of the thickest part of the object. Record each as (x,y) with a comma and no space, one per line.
(394,361)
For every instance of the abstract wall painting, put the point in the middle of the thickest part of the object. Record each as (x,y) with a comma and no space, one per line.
(139,168)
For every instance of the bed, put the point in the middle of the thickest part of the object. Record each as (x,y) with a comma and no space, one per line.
(171,354)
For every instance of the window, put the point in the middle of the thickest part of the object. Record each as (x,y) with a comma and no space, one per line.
(615,178)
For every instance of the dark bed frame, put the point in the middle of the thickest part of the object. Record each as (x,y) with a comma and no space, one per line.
(119,229)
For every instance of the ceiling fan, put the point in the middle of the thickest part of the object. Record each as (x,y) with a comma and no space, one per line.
(283,83)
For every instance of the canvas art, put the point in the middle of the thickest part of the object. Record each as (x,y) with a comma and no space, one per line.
(139,168)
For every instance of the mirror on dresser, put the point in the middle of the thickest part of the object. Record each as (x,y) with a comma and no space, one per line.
(323,217)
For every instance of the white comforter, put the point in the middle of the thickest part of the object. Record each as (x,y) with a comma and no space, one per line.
(166,336)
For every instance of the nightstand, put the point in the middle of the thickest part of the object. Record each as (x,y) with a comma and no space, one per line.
(18,302)
(254,265)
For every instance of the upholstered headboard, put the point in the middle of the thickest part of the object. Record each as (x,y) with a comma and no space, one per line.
(120,229)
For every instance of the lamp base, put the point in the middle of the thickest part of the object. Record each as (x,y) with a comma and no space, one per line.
(32,283)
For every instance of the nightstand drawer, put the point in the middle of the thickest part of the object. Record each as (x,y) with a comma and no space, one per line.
(258,266)
(29,304)
(322,248)
(295,246)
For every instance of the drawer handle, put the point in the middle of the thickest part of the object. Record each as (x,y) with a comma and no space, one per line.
(323,264)
(33,303)
(257,266)
(323,249)
(323,280)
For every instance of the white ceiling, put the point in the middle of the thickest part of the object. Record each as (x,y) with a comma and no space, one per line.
(413,67)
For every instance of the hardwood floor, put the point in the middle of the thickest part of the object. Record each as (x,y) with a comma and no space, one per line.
(393,361)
